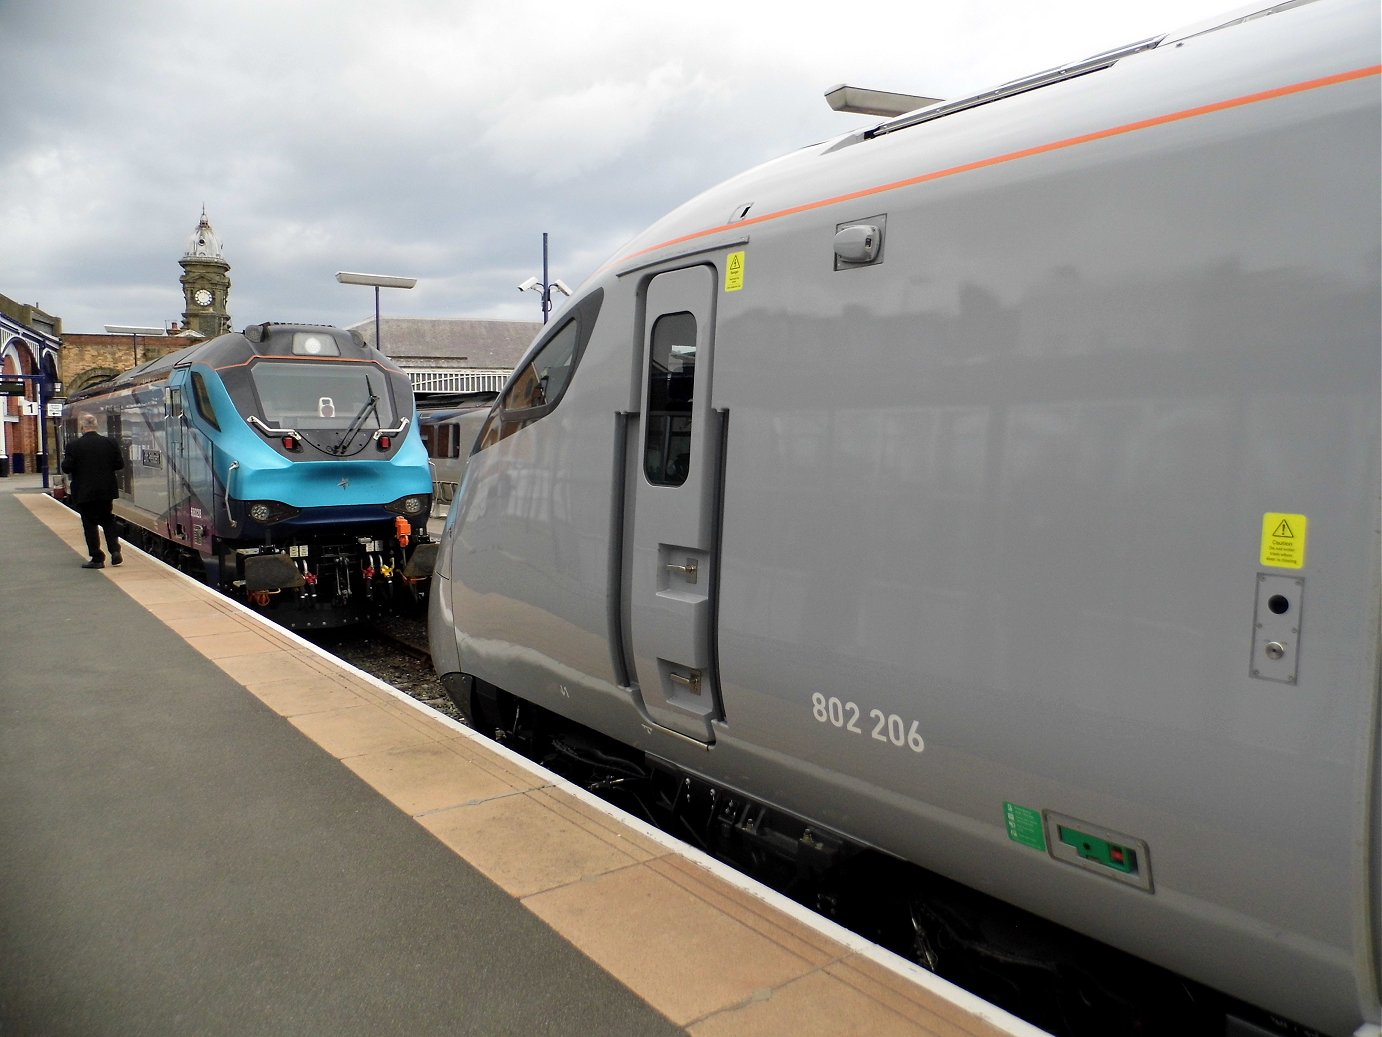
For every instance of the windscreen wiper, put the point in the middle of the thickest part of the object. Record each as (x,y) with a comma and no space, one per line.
(358,422)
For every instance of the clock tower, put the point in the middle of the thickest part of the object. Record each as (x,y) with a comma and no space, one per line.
(205,283)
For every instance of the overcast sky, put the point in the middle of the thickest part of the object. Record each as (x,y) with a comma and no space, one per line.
(438,139)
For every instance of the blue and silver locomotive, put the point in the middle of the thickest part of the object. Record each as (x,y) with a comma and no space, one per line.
(283,463)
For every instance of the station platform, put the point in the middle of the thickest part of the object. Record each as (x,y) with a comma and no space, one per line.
(207,825)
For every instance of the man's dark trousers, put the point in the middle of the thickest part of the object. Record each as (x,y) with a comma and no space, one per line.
(97,515)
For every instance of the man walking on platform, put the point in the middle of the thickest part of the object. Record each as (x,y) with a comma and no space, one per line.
(92,461)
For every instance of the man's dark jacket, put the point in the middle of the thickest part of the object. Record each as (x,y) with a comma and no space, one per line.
(92,461)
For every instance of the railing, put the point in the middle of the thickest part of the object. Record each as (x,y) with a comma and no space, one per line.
(441,381)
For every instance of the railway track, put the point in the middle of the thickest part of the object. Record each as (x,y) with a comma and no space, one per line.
(394,649)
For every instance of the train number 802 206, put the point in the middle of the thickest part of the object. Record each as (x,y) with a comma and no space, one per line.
(886,727)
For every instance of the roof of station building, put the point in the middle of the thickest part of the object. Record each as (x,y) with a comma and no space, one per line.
(452,341)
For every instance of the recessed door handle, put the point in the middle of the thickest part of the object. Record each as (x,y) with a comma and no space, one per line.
(688,570)
(691,681)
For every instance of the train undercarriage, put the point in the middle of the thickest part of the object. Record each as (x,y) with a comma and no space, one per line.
(1055,978)
(310,584)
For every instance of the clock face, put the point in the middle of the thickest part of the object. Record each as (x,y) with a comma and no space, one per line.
(201,297)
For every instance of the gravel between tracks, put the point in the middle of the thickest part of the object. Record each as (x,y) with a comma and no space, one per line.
(375,648)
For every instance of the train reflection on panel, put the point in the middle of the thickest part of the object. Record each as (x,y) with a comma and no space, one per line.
(282,464)
(449,429)
(996,487)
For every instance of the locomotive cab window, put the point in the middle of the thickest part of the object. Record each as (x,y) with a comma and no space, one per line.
(201,395)
(538,385)
(541,380)
(671,390)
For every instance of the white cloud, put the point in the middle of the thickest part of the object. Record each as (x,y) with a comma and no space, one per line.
(435,137)
(564,135)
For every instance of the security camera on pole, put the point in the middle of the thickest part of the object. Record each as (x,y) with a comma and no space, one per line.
(544,287)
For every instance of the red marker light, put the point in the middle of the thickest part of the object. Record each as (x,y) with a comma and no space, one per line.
(289,443)
(384,442)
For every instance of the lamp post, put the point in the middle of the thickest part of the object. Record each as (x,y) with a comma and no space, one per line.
(134,333)
(376,281)
(544,287)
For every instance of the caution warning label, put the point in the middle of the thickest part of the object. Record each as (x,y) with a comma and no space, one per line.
(734,272)
(1283,540)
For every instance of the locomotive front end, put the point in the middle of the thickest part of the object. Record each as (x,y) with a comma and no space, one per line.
(326,486)
(282,464)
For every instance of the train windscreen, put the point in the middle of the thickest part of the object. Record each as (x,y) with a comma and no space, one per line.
(323,395)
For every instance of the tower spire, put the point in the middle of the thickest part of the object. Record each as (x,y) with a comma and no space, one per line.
(205,282)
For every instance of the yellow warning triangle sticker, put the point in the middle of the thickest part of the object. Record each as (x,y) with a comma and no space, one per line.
(734,272)
(1283,540)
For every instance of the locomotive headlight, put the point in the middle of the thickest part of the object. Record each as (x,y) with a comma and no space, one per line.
(411,506)
(311,343)
(267,512)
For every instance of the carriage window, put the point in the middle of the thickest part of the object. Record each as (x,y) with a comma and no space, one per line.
(671,389)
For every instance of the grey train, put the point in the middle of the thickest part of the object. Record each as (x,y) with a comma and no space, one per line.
(995,489)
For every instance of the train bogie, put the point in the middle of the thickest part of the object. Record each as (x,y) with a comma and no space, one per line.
(998,489)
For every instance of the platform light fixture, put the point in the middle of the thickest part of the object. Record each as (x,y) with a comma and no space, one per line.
(134,333)
(376,281)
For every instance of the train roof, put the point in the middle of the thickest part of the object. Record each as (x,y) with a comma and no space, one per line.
(724,214)
(305,340)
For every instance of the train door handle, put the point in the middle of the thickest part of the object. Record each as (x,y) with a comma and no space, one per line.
(690,681)
(688,570)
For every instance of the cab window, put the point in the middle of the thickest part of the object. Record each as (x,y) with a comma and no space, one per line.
(202,397)
(537,386)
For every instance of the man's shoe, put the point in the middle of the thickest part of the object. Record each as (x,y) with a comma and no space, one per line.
(115,558)
(95,563)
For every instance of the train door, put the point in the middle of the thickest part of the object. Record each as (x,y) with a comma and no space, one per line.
(115,432)
(175,465)
(671,519)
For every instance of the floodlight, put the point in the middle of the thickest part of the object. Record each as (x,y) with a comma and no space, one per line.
(125,329)
(376,281)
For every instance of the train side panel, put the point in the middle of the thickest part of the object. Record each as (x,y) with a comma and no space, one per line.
(527,545)
(135,420)
(1023,518)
